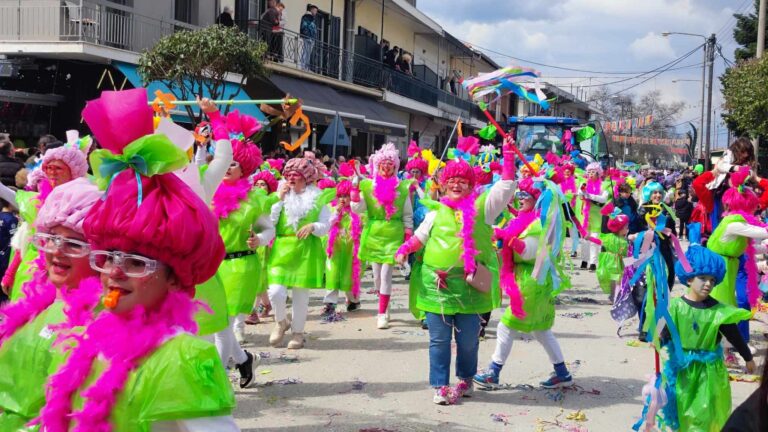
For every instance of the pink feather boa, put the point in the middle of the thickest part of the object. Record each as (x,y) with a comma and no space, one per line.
(40,293)
(354,234)
(123,341)
(753,289)
(508,281)
(229,196)
(466,206)
(569,185)
(385,192)
(593,187)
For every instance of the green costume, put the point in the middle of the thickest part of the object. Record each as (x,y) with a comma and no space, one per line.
(725,292)
(610,261)
(28,204)
(443,253)
(239,273)
(27,359)
(382,237)
(538,301)
(181,379)
(211,292)
(294,262)
(702,387)
(338,268)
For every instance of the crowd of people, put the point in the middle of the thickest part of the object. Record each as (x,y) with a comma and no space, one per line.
(133,271)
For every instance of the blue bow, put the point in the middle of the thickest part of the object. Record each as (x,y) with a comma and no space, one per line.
(112,166)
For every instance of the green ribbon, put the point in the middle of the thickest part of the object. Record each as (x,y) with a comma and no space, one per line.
(148,156)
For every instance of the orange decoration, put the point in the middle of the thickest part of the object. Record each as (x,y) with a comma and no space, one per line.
(461,133)
(298,115)
(111,299)
(163,103)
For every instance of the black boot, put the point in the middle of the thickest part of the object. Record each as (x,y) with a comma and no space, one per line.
(592,267)
(583,265)
(246,370)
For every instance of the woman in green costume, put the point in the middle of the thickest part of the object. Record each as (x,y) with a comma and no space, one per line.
(456,237)
(59,166)
(243,215)
(698,390)
(60,298)
(386,201)
(535,312)
(297,261)
(139,366)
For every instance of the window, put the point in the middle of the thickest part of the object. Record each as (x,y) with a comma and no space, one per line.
(183,11)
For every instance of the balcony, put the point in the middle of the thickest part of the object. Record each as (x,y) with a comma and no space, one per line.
(69,21)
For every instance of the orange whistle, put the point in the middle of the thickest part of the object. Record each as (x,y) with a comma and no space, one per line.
(111,299)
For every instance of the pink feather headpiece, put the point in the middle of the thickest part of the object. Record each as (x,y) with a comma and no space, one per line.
(248,155)
(268,178)
(413,149)
(276,164)
(417,163)
(469,144)
(458,168)
(387,152)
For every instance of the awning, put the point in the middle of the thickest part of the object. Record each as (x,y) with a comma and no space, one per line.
(322,103)
(180,114)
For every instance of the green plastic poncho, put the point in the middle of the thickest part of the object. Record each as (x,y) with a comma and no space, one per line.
(382,237)
(725,291)
(443,251)
(296,263)
(338,268)
(211,292)
(240,276)
(28,204)
(702,388)
(610,261)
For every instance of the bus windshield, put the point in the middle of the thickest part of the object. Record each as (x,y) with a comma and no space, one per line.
(539,138)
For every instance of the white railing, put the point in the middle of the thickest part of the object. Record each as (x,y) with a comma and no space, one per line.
(68,21)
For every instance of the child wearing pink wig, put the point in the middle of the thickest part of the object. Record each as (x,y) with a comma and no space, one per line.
(138,366)
(613,250)
(386,201)
(60,297)
(297,259)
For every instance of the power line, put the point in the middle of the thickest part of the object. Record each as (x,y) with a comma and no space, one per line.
(657,74)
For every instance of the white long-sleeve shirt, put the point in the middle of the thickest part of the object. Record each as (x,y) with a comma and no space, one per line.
(741,229)
(9,195)
(217,169)
(498,198)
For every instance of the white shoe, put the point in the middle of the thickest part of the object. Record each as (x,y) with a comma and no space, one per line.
(240,335)
(297,341)
(382,322)
(278,333)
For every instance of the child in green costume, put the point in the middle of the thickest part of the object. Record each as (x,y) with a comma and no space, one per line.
(698,389)
(614,247)
(60,297)
(342,268)
(138,365)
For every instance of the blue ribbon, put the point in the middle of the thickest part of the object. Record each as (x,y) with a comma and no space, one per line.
(111,167)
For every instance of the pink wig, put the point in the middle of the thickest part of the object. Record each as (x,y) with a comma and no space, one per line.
(616,224)
(70,156)
(483,177)
(276,164)
(387,152)
(305,167)
(268,178)
(417,163)
(526,185)
(468,144)
(413,149)
(458,168)
(242,124)
(596,167)
(347,169)
(67,206)
(344,188)
(248,155)
(325,183)
(737,201)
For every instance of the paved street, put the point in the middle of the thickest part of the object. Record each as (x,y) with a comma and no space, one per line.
(353,377)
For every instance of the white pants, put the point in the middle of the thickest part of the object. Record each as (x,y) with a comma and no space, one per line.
(589,250)
(505,336)
(239,322)
(382,278)
(227,345)
(574,237)
(332,296)
(278,295)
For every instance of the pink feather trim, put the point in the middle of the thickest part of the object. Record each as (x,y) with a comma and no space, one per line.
(753,289)
(124,341)
(385,192)
(513,230)
(39,293)
(354,234)
(467,208)
(593,187)
(229,197)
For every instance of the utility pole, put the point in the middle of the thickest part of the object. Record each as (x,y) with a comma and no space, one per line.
(711,42)
(700,140)
(761,29)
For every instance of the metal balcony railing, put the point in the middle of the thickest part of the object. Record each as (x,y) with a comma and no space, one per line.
(113,26)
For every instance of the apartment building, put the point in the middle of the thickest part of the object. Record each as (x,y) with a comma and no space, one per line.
(58,54)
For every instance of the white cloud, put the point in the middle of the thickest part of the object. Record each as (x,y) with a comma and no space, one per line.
(652,46)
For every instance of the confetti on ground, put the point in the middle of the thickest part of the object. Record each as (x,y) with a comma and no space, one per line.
(332,318)
(408,332)
(635,343)
(577,415)
(555,396)
(358,385)
(330,418)
(285,358)
(578,315)
(523,387)
(545,425)
(265,372)
(286,381)
(265,355)
(588,300)
(500,418)
(377,430)
(744,378)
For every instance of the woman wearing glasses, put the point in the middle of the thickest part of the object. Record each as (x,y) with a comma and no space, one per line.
(138,365)
(60,165)
(61,296)
(456,237)
(243,220)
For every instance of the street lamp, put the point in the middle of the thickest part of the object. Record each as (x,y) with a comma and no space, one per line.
(685,80)
(703,86)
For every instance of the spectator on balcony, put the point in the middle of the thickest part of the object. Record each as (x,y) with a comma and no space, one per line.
(225,18)
(9,166)
(384,45)
(268,21)
(405,63)
(278,32)
(390,59)
(308,31)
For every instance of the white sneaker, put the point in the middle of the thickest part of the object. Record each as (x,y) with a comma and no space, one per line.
(382,322)
(239,335)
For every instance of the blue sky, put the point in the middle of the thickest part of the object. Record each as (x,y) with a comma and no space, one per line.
(598,35)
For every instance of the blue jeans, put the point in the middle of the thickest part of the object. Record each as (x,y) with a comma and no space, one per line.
(466,329)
